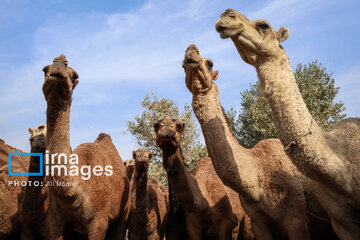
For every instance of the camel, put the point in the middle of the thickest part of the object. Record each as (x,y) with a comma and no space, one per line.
(212,210)
(331,159)
(98,194)
(149,201)
(36,201)
(130,166)
(272,191)
(11,195)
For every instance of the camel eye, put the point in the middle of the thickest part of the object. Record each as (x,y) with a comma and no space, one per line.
(263,26)
(162,124)
(209,64)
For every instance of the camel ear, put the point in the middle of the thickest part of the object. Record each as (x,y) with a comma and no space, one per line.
(283,34)
(215,75)
(46,69)
(134,155)
(75,83)
(31,131)
(150,155)
(156,126)
(180,126)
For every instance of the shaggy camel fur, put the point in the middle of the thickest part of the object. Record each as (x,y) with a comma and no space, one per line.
(331,159)
(272,190)
(90,204)
(36,200)
(209,210)
(130,166)
(149,201)
(11,196)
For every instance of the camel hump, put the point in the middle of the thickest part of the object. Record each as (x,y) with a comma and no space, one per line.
(103,137)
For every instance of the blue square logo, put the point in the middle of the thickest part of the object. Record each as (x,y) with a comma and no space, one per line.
(40,155)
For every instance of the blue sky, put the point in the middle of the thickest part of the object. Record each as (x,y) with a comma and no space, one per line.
(123,50)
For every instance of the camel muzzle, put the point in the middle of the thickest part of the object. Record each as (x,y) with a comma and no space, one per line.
(58,69)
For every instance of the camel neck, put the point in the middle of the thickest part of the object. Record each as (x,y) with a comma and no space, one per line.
(182,182)
(33,196)
(291,116)
(141,182)
(34,165)
(57,137)
(302,138)
(58,141)
(231,161)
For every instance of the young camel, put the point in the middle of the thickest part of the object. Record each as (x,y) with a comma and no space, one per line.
(210,210)
(36,200)
(331,159)
(149,201)
(272,190)
(89,203)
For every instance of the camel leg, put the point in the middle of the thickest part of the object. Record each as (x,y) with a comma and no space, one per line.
(26,234)
(224,230)
(55,224)
(261,230)
(194,233)
(296,228)
(346,229)
(97,228)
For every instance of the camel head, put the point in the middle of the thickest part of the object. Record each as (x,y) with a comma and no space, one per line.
(142,158)
(130,165)
(37,138)
(60,80)
(199,74)
(255,40)
(168,132)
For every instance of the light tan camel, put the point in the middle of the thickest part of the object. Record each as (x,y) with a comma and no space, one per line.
(95,195)
(272,190)
(36,199)
(212,210)
(130,166)
(149,201)
(331,159)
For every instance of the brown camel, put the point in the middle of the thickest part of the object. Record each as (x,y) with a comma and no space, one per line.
(331,159)
(149,201)
(98,194)
(210,210)
(36,200)
(130,166)
(11,192)
(272,190)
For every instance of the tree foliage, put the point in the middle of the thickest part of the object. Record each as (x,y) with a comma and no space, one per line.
(253,122)
(141,128)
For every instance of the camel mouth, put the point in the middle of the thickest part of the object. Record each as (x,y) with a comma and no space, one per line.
(223,30)
(191,63)
(220,28)
(56,75)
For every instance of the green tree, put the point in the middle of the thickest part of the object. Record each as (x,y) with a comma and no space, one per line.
(141,128)
(253,122)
